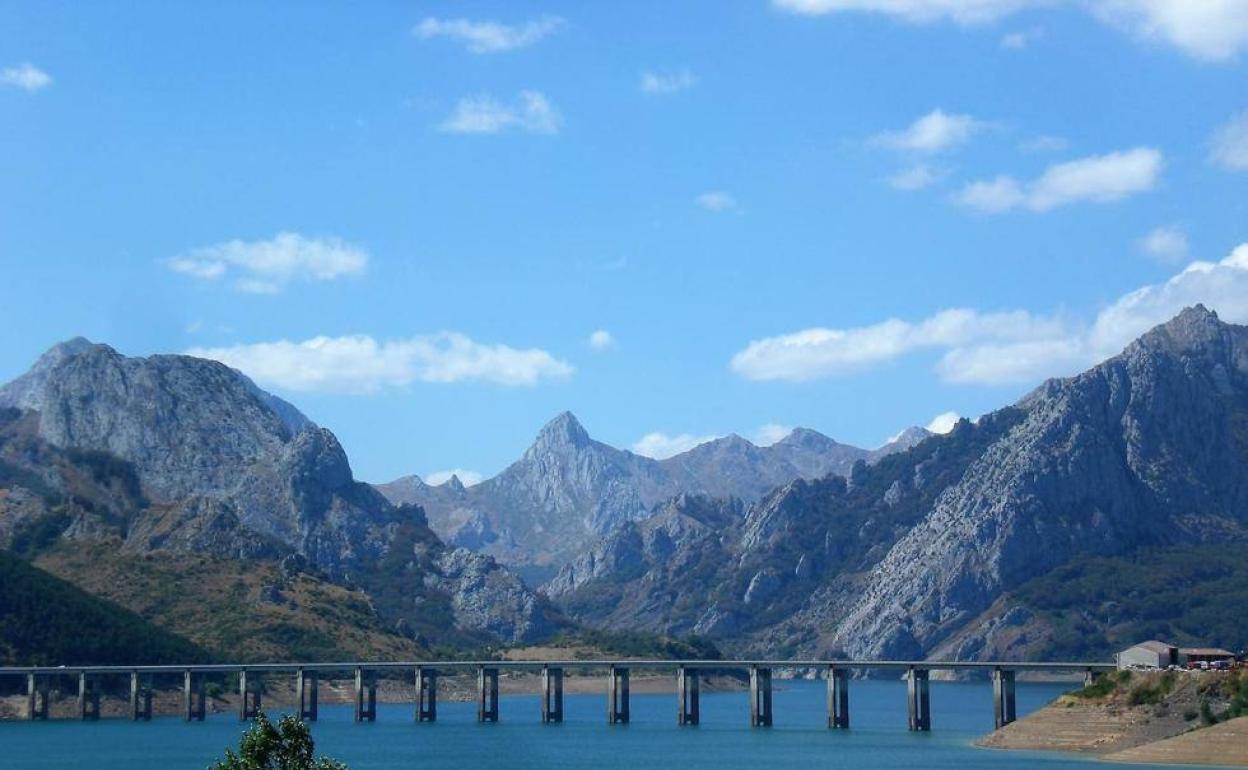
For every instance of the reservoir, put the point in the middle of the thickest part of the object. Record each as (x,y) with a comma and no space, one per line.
(877,738)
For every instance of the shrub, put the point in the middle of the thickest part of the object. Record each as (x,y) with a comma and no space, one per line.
(285,746)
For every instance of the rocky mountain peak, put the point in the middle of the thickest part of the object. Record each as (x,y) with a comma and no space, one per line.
(454,484)
(26,392)
(806,438)
(910,437)
(562,433)
(1192,331)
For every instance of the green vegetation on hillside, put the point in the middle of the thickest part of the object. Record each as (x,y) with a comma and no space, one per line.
(47,621)
(1189,595)
(641,645)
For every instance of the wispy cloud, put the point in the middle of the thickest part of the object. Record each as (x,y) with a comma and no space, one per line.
(531,112)
(1215,30)
(934,132)
(359,364)
(601,339)
(1044,143)
(661,446)
(717,200)
(25,76)
(266,267)
(667,82)
(1017,41)
(770,433)
(1095,179)
(944,422)
(1002,347)
(467,477)
(916,177)
(1167,244)
(1230,144)
(482,37)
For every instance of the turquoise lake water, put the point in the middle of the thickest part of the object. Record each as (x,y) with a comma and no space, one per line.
(878,738)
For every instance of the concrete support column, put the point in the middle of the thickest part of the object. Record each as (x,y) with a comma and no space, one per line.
(760,697)
(88,698)
(918,699)
(140,699)
(426,694)
(249,698)
(552,694)
(1089,677)
(838,697)
(687,691)
(1003,702)
(194,707)
(617,696)
(487,694)
(36,697)
(365,696)
(307,694)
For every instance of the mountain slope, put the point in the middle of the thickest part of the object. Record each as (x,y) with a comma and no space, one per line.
(920,552)
(182,455)
(48,621)
(568,489)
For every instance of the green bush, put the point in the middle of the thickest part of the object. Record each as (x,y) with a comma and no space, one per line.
(287,745)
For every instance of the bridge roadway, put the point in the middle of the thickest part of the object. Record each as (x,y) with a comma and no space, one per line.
(425,673)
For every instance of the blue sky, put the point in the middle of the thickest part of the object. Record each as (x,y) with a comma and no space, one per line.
(411,218)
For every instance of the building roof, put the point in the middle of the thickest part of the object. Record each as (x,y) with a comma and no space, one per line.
(1209,652)
(1153,645)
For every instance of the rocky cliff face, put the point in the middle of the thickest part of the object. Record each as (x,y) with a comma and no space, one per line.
(921,551)
(225,468)
(568,489)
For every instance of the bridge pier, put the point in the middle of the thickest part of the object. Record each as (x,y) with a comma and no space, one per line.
(1003,701)
(194,706)
(249,698)
(140,699)
(88,698)
(487,694)
(552,694)
(760,697)
(1089,677)
(687,692)
(617,696)
(365,696)
(36,697)
(838,697)
(918,700)
(426,694)
(307,695)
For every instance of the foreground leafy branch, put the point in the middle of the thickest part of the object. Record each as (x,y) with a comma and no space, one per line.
(285,746)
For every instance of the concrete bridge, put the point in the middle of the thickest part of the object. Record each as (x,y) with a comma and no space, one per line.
(425,677)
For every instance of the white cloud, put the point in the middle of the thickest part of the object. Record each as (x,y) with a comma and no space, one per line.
(1230,144)
(1213,30)
(944,422)
(25,76)
(667,83)
(1044,143)
(1168,244)
(716,200)
(917,177)
(265,267)
(997,348)
(469,478)
(601,339)
(488,36)
(661,446)
(918,11)
(1016,41)
(531,112)
(770,433)
(933,132)
(1094,179)
(359,364)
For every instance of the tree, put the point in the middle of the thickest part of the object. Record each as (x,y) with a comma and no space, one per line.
(286,746)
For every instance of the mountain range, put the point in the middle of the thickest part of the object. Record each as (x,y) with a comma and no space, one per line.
(567,489)
(1141,461)
(1098,509)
